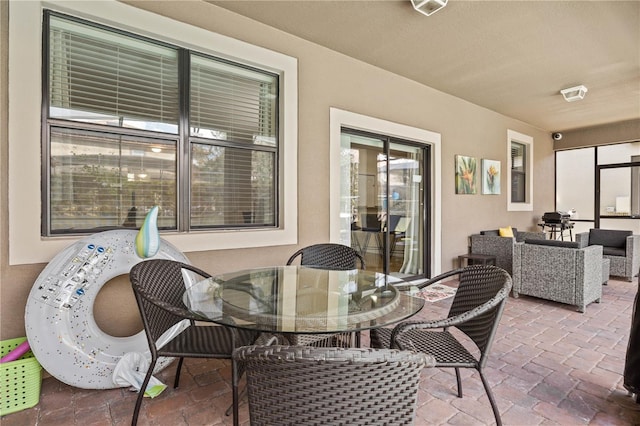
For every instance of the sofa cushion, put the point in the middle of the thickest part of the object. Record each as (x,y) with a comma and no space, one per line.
(609,238)
(614,251)
(554,243)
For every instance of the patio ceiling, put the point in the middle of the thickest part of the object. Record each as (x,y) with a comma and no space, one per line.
(512,57)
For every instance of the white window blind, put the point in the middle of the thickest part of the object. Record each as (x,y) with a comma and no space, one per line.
(230,102)
(231,186)
(104,77)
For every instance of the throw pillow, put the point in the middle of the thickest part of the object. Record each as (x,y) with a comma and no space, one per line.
(506,232)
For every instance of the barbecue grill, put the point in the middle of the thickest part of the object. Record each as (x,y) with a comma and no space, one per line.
(557,222)
(556,217)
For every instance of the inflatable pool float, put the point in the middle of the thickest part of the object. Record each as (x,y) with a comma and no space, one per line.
(59,321)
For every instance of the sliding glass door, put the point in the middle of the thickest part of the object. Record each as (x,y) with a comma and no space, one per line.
(384,197)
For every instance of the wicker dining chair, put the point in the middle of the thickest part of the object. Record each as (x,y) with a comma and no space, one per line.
(475,311)
(303,385)
(327,256)
(158,286)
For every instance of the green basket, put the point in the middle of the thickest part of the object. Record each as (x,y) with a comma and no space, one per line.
(20,387)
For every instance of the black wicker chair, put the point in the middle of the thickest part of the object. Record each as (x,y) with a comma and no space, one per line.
(303,385)
(475,311)
(158,286)
(327,256)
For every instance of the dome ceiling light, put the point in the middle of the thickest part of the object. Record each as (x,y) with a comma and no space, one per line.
(574,93)
(428,7)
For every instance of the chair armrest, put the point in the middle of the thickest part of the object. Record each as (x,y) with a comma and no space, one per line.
(403,286)
(174,310)
(516,273)
(588,276)
(633,244)
(633,253)
(592,262)
(500,247)
(582,239)
(454,320)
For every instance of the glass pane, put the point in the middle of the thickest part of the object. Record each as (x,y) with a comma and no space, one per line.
(233,103)
(618,153)
(102,180)
(615,192)
(406,204)
(575,180)
(232,187)
(518,172)
(621,224)
(106,77)
(383,224)
(364,201)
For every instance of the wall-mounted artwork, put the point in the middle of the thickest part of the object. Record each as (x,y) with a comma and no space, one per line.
(466,181)
(490,177)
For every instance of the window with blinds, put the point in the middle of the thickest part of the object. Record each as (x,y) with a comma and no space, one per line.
(520,166)
(518,172)
(133,123)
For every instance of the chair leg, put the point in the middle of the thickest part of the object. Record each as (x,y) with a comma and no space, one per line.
(241,394)
(143,387)
(459,381)
(235,378)
(176,381)
(365,246)
(492,401)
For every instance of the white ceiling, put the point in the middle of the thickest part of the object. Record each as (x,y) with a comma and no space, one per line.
(512,57)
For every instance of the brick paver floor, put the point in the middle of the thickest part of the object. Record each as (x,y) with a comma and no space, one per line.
(550,365)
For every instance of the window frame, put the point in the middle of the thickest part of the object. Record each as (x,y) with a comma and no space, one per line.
(527,142)
(25,90)
(183,138)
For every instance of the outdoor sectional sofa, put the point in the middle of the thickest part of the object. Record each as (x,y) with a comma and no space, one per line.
(559,271)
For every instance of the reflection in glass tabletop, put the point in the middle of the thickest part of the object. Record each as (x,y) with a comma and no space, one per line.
(298,299)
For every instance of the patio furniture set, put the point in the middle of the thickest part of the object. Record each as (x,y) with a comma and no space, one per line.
(321,359)
(329,372)
(570,272)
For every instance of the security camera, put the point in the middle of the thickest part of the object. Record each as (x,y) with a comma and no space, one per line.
(556,136)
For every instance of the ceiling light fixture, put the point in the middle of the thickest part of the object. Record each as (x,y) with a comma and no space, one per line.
(574,93)
(428,7)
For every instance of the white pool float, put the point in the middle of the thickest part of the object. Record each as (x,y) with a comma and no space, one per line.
(59,321)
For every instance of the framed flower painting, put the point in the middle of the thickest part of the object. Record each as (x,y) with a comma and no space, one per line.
(490,176)
(466,180)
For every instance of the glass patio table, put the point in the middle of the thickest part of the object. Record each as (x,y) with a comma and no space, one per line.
(301,300)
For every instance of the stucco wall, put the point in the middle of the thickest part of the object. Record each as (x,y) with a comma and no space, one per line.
(326,79)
